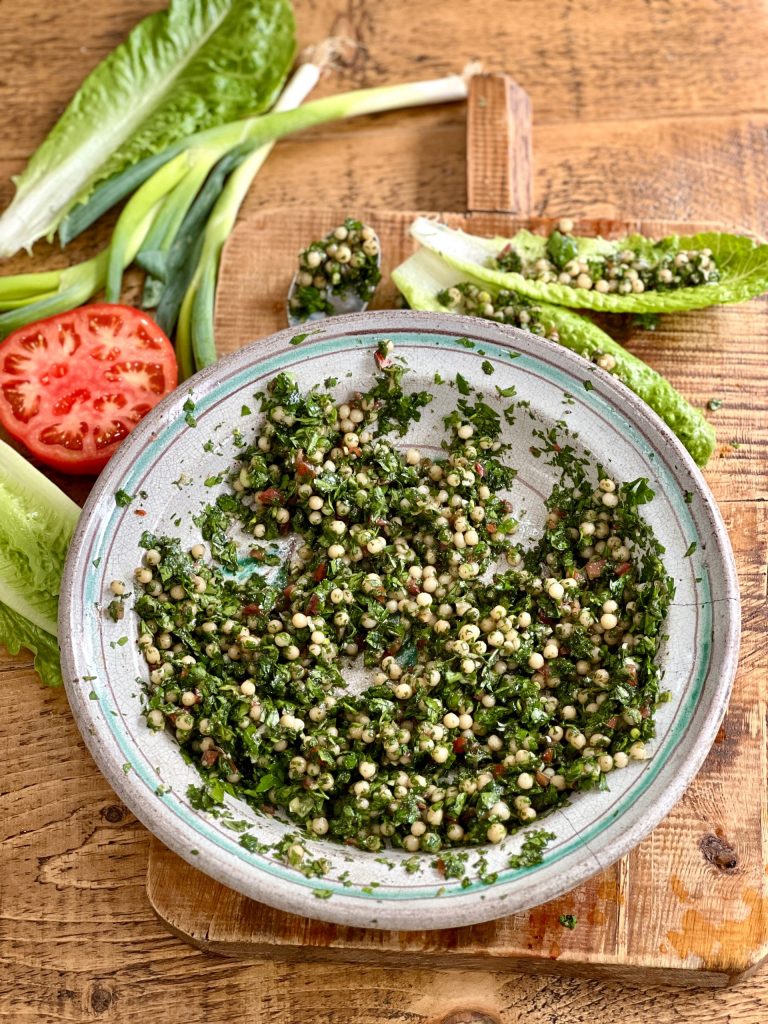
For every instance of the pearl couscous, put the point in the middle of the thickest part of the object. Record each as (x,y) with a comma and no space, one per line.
(500,678)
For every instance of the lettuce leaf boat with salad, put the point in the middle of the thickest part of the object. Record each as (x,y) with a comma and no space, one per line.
(430,282)
(632,275)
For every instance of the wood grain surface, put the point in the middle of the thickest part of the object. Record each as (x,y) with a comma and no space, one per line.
(644,108)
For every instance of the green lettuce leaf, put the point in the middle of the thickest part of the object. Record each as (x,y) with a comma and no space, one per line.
(199,64)
(36,524)
(421,277)
(17,632)
(743,266)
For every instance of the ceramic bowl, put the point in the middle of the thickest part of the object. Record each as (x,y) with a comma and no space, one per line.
(165,462)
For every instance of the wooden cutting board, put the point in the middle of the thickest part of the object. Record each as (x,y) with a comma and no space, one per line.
(690,904)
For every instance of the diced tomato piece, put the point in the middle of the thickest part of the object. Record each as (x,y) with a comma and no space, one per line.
(271,496)
(594,568)
(303,468)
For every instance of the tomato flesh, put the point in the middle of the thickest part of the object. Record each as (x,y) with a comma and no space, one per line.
(74,386)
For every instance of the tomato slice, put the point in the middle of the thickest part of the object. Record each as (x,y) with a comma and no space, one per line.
(74,386)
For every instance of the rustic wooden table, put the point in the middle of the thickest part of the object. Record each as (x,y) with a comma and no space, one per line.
(643,108)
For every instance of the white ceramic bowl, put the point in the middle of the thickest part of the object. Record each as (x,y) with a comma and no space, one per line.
(165,459)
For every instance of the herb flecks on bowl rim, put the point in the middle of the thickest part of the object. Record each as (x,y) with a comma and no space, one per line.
(501,679)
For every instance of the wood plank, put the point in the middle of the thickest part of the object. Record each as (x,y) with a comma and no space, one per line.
(576,63)
(654,169)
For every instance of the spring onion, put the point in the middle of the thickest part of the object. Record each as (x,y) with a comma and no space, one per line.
(185,205)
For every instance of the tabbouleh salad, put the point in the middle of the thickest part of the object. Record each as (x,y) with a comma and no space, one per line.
(500,678)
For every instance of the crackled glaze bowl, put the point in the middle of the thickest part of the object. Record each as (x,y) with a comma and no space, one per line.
(165,462)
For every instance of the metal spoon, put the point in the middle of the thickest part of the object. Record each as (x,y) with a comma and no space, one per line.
(343,302)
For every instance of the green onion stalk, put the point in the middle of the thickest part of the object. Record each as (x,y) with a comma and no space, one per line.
(183,205)
(26,298)
(195,344)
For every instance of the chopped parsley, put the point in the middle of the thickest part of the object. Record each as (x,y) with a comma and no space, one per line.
(463,385)
(646,321)
(532,851)
(189,408)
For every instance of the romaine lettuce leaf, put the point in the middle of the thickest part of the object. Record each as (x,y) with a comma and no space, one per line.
(17,632)
(199,64)
(36,524)
(421,277)
(743,266)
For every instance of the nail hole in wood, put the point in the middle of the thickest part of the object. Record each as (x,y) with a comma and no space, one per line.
(718,852)
(113,813)
(101,999)
(469,1017)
